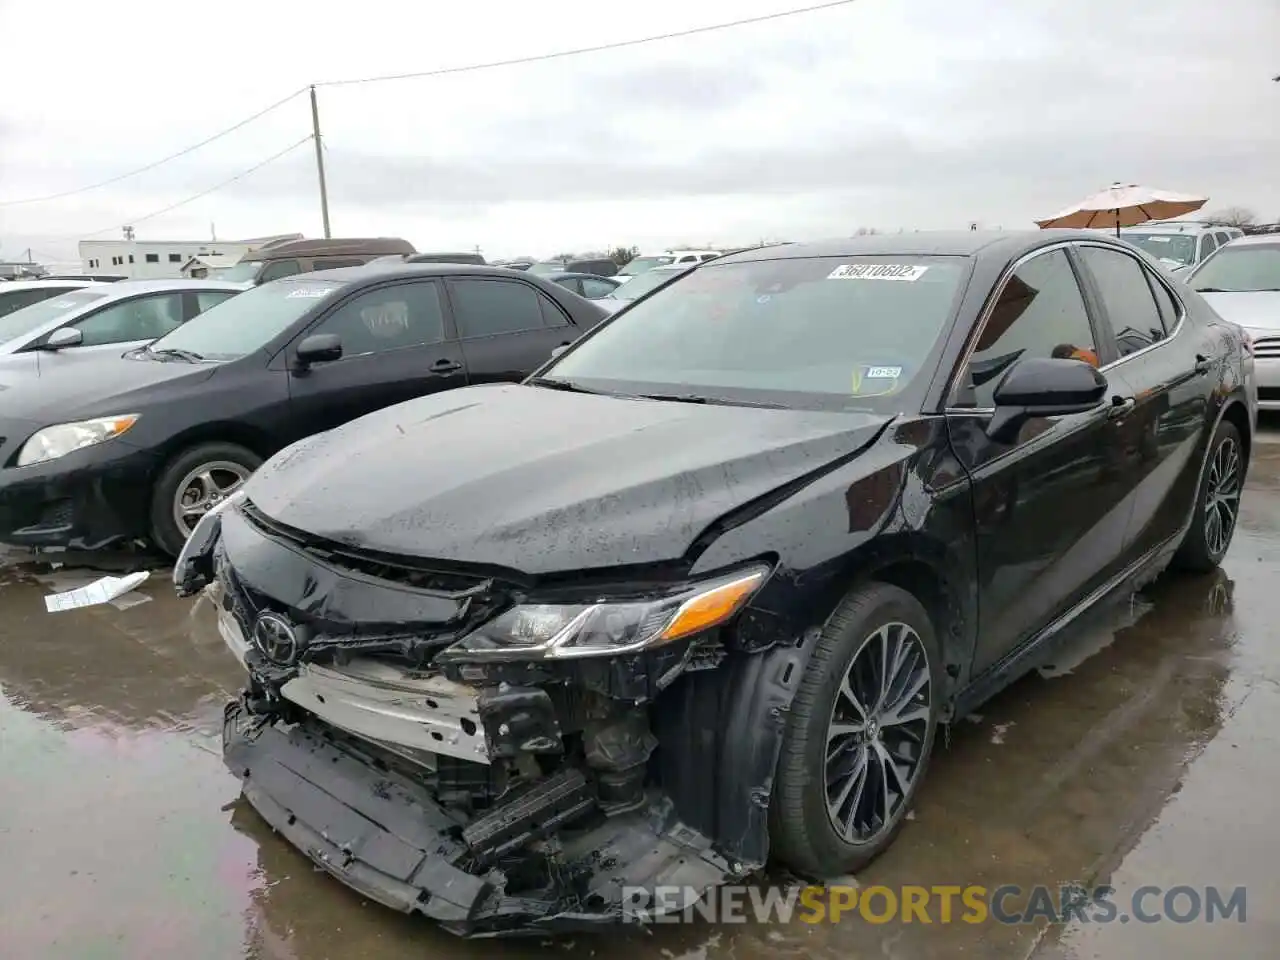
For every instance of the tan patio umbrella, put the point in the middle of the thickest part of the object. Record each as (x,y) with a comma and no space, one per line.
(1124,206)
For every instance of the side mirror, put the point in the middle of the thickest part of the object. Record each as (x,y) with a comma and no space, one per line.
(319,348)
(64,337)
(1042,387)
(556,351)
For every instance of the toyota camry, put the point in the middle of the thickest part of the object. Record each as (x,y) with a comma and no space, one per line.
(700,592)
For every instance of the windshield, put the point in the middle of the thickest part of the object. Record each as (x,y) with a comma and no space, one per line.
(1238,269)
(826,332)
(634,289)
(643,265)
(39,314)
(239,273)
(248,321)
(1176,248)
(549,266)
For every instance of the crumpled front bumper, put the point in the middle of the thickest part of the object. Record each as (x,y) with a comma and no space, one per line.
(388,839)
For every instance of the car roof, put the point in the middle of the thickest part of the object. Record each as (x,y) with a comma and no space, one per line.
(1175,226)
(389,270)
(936,243)
(49,284)
(1247,240)
(128,288)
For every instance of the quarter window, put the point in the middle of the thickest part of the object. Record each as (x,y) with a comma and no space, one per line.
(403,315)
(1126,295)
(487,307)
(1040,313)
(280,268)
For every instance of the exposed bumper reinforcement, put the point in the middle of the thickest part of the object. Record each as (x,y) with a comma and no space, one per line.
(390,841)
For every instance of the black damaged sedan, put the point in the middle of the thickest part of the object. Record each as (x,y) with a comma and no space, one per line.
(699,593)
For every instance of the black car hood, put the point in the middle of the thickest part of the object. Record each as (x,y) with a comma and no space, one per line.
(540,480)
(90,385)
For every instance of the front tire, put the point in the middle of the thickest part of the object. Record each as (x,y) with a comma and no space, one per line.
(858,735)
(192,483)
(1213,522)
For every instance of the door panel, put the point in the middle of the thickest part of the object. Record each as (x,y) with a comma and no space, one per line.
(1050,509)
(507,328)
(1163,437)
(394,349)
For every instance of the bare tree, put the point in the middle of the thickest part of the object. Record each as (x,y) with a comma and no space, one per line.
(1233,217)
(623,255)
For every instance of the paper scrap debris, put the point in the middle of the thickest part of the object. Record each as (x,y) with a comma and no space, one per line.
(100,591)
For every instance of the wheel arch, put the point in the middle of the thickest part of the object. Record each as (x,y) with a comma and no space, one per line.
(253,439)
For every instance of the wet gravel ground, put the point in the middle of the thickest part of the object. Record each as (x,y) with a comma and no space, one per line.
(1148,754)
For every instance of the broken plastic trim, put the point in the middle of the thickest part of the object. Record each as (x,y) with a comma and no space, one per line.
(573,631)
(193,569)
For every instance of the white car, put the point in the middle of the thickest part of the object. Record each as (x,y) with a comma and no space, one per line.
(1242,283)
(1180,245)
(101,316)
(668,258)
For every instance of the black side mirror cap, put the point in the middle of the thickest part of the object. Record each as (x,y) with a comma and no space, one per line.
(1044,387)
(319,348)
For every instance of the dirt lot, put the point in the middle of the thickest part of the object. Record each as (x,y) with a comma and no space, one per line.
(1147,755)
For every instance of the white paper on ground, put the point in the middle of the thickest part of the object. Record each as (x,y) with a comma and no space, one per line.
(100,591)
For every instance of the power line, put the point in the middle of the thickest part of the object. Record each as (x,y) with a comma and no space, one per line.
(468,68)
(616,45)
(163,160)
(203,193)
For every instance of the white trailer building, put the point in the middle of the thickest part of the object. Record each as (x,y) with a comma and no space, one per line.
(161,259)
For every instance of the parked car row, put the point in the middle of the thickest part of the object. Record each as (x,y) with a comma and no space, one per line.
(106,439)
(696,594)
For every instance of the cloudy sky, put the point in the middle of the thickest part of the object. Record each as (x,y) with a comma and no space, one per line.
(910,114)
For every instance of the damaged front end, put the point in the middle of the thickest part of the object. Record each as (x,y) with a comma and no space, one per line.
(501,756)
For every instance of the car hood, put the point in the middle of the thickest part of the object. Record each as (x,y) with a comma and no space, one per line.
(1258,310)
(540,480)
(43,363)
(88,385)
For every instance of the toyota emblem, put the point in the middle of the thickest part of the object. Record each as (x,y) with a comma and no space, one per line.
(276,638)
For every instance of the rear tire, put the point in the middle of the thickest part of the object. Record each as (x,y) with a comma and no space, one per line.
(1217,509)
(192,482)
(848,770)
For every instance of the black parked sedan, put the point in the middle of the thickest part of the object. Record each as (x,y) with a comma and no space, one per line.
(701,590)
(140,445)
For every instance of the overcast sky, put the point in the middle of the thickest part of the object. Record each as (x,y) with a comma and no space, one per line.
(909,114)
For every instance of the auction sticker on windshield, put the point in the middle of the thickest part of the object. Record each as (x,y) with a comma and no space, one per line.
(875,381)
(311,293)
(877,271)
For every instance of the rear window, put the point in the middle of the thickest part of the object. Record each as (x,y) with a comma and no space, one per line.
(826,332)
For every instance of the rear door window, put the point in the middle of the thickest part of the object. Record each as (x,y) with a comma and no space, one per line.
(1126,295)
(11,300)
(484,308)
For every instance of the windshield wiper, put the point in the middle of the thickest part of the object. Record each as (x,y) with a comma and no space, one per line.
(551,383)
(178,354)
(698,398)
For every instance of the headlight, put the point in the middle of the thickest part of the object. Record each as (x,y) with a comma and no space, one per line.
(607,627)
(57,441)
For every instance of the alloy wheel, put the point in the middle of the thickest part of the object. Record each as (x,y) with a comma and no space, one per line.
(1222,497)
(203,489)
(876,735)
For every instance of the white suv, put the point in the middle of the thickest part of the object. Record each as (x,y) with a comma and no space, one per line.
(1180,245)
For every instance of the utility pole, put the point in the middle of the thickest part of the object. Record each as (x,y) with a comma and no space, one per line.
(315,135)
